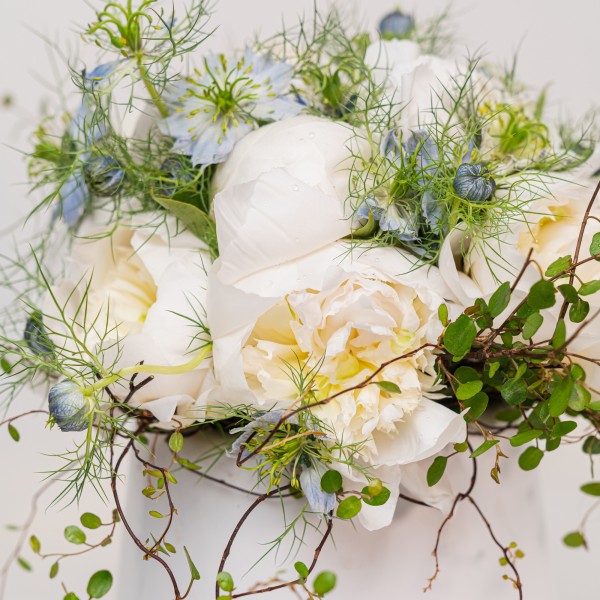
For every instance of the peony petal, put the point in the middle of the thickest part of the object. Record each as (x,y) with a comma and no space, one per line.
(422,434)
(273,220)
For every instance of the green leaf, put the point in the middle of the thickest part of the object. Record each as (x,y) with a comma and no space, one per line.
(541,295)
(552,443)
(564,428)
(499,300)
(530,458)
(560,334)
(468,390)
(349,507)
(192,567)
(483,448)
(595,245)
(591,445)
(90,520)
(301,569)
(23,564)
(331,482)
(34,544)
(525,436)
(176,442)
(196,220)
(324,583)
(376,499)
(514,391)
(595,406)
(459,337)
(389,387)
(574,539)
(493,369)
(568,292)
(5,366)
(436,470)
(477,405)
(532,324)
(170,548)
(14,434)
(155,514)
(589,288)
(99,584)
(71,596)
(559,399)
(54,570)
(593,489)
(443,314)
(462,447)
(508,415)
(558,266)
(579,311)
(74,535)
(225,581)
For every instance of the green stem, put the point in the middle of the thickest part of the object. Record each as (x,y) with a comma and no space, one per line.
(160,105)
(151,369)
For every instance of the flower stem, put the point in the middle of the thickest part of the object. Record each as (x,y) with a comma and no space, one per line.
(152,369)
(160,105)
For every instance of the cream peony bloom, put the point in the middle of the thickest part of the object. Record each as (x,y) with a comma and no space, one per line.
(139,284)
(283,291)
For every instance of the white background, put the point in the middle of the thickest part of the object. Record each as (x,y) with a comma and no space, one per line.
(559,45)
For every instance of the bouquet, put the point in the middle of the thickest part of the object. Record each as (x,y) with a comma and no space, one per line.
(341,258)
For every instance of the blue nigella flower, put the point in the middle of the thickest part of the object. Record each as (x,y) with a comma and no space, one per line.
(104,175)
(474,182)
(36,337)
(83,131)
(318,500)
(225,101)
(68,406)
(396,25)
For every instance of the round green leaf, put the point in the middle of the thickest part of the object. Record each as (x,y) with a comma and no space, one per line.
(499,300)
(176,441)
(74,535)
(71,596)
(541,295)
(595,245)
(90,520)
(574,539)
(301,569)
(377,499)
(468,390)
(99,584)
(525,436)
(35,545)
(532,324)
(459,337)
(225,581)
(324,583)
(530,458)
(331,482)
(514,391)
(591,445)
(349,507)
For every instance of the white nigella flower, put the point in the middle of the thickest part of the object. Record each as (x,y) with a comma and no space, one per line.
(225,101)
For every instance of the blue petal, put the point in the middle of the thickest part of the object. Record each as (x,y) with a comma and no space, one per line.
(318,500)
(74,195)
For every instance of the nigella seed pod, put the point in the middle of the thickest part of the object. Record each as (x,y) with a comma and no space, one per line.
(104,175)
(396,25)
(36,337)
(179,172)
(473,182)
(68,406)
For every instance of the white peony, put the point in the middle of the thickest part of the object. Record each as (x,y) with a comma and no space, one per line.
(288,292)
(140,282)
(416,81)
